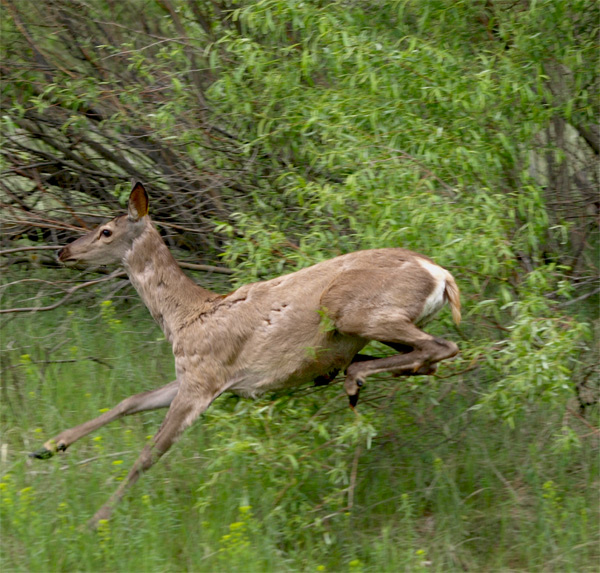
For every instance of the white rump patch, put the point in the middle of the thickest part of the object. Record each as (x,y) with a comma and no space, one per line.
(435,301)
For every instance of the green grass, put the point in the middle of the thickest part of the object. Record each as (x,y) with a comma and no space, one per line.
(267,485)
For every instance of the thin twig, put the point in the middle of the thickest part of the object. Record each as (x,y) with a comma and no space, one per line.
(594,429)
(353,475)
(69,294)
(579,298)
(208,268)
(93,459)
(66,361)
(86,461)
(42,248)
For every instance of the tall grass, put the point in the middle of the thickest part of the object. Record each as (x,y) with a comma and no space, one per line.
(297,483)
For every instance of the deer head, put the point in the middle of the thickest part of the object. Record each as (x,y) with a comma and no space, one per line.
(108,243)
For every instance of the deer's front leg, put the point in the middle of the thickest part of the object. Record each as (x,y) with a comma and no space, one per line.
(184,410)
(153,400)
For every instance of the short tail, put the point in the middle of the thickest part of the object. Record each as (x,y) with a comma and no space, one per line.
(453,297)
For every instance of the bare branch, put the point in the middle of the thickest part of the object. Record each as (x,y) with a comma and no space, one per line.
(69,294)
(208,268)
(20,249)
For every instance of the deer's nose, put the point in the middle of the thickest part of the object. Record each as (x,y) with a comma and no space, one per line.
(62,254)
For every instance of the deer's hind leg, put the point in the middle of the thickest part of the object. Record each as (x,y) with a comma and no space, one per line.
(382,304)
(152,400)
(325,379)
(419,351)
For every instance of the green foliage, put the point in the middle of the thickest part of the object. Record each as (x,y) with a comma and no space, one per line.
(415,482)
(536,361)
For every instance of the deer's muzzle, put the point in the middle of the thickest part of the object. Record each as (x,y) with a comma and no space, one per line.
(64,256)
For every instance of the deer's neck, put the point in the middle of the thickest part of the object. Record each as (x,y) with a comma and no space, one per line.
(170,295)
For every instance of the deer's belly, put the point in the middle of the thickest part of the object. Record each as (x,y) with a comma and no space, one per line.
(271,372)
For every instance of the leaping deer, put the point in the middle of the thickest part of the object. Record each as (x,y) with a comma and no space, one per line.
(266,335)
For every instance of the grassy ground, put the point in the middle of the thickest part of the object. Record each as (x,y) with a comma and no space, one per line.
(295,484)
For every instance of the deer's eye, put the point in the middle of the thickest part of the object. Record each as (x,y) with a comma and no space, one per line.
(106,233)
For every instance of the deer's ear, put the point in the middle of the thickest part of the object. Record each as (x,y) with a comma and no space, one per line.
(138,202)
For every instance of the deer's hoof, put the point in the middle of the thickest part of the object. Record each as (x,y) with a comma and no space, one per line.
(49,449)
(42,454)
(352,385)
(427,369)
(325,379)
